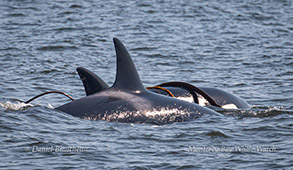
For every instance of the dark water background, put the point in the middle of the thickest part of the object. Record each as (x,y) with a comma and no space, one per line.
(244,47)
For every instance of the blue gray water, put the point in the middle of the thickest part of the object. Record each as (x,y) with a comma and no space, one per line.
(244,47)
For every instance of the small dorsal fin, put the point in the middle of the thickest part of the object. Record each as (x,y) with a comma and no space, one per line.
(127,77)
(91,82)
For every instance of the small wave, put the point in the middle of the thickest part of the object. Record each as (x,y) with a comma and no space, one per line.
(216,134)
(16,15)
(66,29)
(75,6)
(49,71)
(15,106)
(144,48)
(56,48)
(258,111)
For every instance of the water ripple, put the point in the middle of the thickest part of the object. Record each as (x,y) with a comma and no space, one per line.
(241,47)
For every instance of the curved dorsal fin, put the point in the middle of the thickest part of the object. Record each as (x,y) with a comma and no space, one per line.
(91,82)
(127,77)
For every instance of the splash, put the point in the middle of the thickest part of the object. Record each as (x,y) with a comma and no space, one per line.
(257,111)
(15,106)
(156,116)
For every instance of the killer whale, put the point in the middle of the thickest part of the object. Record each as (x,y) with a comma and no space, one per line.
(225,98)
(220,97)
(93,84)
(127,100)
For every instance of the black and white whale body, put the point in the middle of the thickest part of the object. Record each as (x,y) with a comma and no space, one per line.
(93,83)
(222,98)
(127,100)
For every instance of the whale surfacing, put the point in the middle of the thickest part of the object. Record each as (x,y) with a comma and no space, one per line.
(127,100)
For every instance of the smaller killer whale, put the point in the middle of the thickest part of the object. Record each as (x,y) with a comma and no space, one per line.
(204,95)
(127,100)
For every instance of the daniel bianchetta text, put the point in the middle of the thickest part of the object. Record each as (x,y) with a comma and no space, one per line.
(57,149)
(202,149)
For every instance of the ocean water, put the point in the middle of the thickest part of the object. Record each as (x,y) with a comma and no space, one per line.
(243,47)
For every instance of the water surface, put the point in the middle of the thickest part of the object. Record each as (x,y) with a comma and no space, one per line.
(241,47)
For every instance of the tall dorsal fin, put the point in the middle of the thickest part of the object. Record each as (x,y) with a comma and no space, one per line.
(91,82)
(127,77)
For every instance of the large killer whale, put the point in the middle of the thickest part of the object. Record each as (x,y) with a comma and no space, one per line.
(203,96)
(127,100)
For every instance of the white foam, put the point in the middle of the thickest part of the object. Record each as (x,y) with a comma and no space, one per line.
(15,106)
(50,106)
(162,114)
